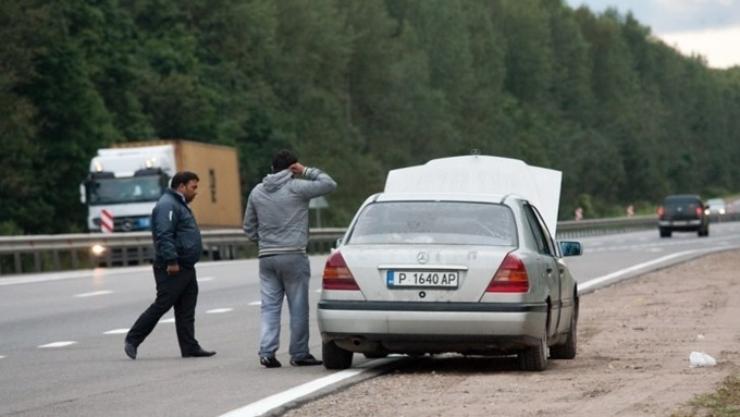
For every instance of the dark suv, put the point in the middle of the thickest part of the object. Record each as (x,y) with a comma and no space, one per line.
(683,213)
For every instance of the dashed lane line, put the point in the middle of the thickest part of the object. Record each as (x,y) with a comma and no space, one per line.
(255,303)
(57,344)
(117,331)
(169,320)
(93,293)
(219,310)
(205,279)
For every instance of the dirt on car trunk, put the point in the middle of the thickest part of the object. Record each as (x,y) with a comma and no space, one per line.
(635,338)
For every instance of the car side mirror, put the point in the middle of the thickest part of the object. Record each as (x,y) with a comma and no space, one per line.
(570,248)
(338,243)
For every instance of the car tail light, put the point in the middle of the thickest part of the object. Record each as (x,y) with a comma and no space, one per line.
(699,211)
(336,274)
(510,277)
(661,212)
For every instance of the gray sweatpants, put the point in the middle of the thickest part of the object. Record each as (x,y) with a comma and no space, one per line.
(284,275)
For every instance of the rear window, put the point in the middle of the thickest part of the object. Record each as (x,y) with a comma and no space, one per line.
(435,223)
(682,201)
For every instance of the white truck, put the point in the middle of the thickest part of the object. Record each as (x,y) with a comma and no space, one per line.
(128,179)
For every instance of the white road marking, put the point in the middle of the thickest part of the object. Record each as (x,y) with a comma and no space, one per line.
(264,405)
(255,303)
(94,293)
(57,344)
(205,279)
(616,274)
(655,250)
(169,320)
(117,331)
(2,357)
(219,310)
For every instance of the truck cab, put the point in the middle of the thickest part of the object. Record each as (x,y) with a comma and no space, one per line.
(126,182)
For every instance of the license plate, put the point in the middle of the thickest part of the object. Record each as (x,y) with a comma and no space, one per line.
(680,223)
(425,279)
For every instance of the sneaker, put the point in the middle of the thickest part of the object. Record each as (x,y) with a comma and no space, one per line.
(270,362)
(308,360)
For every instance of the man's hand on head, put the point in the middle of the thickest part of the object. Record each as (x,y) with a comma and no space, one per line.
(297,168)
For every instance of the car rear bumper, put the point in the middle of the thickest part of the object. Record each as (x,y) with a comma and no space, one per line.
(363,326)
(680,224)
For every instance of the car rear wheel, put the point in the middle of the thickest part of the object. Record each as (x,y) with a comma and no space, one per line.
(335,357)
(534,358)
(703,232)
(665,232)
(568,349)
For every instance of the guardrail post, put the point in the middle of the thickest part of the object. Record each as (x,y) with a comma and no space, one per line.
(75,259)
(37,261)
(18,264)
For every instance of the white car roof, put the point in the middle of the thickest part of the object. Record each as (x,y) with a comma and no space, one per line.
(477,176)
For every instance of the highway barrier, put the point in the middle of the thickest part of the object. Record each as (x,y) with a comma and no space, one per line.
(45,253)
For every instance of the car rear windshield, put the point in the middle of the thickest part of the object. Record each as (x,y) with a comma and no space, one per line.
(682,202)
(435,223)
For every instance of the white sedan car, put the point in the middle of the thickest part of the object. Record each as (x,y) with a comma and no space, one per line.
(460,270)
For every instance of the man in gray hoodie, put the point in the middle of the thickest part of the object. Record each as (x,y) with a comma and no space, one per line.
(277,219)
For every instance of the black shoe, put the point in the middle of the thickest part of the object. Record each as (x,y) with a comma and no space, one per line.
(200,353)
(270,362)
(306,361)
(130,350)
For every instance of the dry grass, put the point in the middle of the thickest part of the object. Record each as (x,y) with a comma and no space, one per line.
(723,403)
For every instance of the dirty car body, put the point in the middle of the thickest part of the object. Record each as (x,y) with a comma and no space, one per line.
(468,271)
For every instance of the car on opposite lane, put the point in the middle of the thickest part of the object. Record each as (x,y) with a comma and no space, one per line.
(437,265)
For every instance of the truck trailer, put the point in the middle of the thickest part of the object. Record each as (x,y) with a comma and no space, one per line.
(126,180)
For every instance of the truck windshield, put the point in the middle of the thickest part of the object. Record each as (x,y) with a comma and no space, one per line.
(124,190)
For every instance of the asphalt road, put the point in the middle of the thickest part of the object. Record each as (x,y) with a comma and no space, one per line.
(42,376)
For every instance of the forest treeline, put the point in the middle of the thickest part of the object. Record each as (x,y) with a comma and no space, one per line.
(358,87)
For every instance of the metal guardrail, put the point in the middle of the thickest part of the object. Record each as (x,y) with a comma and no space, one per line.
(591,227)
(42,253)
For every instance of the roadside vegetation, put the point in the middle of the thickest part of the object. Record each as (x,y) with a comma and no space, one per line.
(358,87)
(723,403)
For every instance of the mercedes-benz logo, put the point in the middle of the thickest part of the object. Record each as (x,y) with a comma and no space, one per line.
(422,257)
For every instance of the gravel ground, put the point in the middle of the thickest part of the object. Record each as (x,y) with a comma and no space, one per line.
(634,343)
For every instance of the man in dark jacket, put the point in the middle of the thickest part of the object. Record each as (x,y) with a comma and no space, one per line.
(177,247)
(277,219)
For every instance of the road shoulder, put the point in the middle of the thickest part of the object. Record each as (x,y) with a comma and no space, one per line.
(635,341)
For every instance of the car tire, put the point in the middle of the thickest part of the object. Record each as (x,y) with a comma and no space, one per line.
(568,349)
(703,232)
(534,358)
(335,357)
(665,232)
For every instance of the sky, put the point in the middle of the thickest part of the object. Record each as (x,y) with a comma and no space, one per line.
(710,28)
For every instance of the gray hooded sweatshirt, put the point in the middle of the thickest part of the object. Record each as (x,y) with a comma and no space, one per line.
(277,210)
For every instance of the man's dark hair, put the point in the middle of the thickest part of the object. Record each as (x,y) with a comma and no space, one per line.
(282,160)
(183,177)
